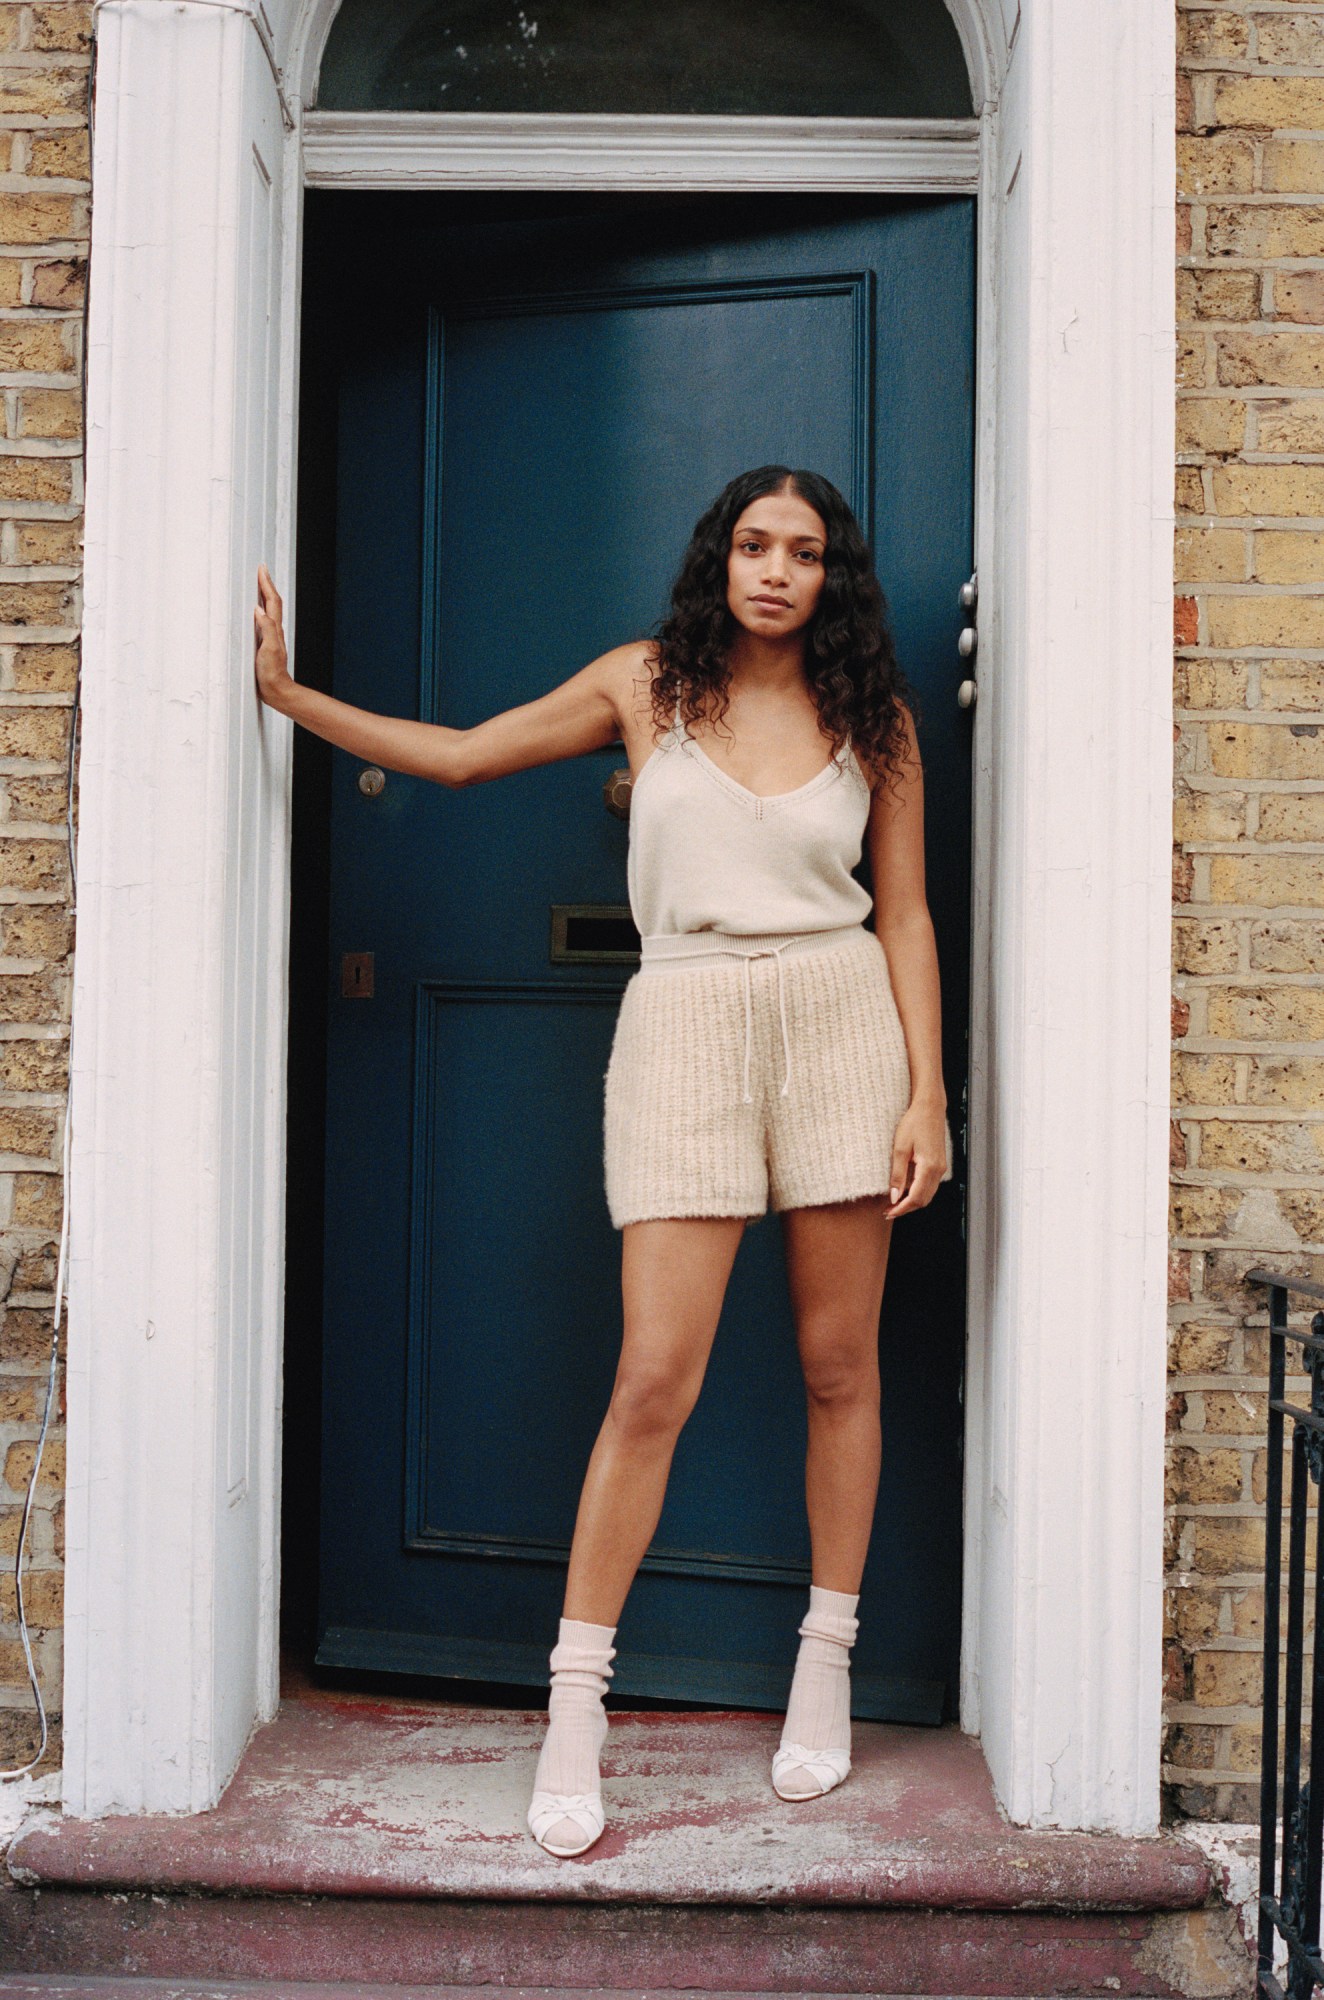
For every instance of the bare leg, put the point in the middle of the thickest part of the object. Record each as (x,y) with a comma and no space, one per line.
(673,1280)
(836,1259)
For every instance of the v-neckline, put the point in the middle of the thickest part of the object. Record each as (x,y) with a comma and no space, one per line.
(761,801)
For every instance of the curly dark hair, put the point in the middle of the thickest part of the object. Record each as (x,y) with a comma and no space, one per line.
(850,660)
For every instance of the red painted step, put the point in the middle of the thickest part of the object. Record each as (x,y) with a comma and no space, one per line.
(384,1841)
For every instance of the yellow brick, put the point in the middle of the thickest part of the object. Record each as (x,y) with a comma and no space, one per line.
(1204,948)
(43,1598)
(61,26)
(50,413)
(1223,164)
(1226,1547)
(1204,36)
(40,218)
(42,798)
(1203,1079)
(36,930)
(43,93)
(1266,1014)
(29,864)
(1292,166)
(33,732)
(1204,555)
(1218,295)
(1210,684)
(1244,1744)
(37,1199)
(1203,816)
(18,1401)
(32,1066)
(24,1131)
(1297,1084)
(48,542)
(1303,1211)
(1270,880)
(1270,230)
(1248,1147)
(35,478)
(1284,556)
(1296,360)
(1292,41)
(1191,364)
(1278,490)
(1210,424)
(36,604)
(1266,621)
(60,286)
(11,281)
(1293,816)
(1227,1680)
(1203,1477)
(1188,490)
(1294,102)
(21,1456)
(1292,684)
(1299,295)
(1198,1347)
(1290,427)
(64,156)
(1287,944)
(1247,1608)
(39,347)
(1234,1413)
(1202,1212)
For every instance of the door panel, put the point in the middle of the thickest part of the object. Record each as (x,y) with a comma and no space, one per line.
(526,437)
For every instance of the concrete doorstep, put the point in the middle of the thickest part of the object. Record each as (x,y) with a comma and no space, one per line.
(386,1839)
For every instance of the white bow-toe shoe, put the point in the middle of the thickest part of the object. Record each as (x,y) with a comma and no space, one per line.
(566,1824)
(800,1773)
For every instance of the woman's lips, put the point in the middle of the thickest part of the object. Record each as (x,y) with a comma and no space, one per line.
(774,603)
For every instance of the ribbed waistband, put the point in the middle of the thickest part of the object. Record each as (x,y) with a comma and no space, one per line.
(702,947)
(693,948)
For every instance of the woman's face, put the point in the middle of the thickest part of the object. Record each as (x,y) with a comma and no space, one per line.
(774,572)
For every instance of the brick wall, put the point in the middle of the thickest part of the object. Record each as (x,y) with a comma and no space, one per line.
(43,242)
(1248,931)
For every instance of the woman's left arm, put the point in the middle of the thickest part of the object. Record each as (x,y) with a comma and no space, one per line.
(905,931)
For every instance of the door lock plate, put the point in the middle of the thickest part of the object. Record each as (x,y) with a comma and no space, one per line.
(356,975)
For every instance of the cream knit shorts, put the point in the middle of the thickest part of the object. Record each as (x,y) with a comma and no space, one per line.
(772,1076)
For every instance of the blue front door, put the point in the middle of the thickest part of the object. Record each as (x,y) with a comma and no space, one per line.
(526,434)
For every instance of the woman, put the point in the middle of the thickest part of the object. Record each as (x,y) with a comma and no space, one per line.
(769,1049)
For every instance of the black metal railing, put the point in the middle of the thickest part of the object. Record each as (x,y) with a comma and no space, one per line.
(1290,1882)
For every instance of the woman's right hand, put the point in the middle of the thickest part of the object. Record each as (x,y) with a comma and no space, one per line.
(271,662)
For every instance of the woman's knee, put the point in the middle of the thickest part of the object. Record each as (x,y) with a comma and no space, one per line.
(650,1401)
(840,1363)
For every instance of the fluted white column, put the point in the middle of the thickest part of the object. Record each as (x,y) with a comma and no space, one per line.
(176,1183)
(1070,1063)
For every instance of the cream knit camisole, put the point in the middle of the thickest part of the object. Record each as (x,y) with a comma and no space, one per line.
(706,854)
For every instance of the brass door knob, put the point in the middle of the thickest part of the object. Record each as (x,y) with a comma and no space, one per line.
(616,794)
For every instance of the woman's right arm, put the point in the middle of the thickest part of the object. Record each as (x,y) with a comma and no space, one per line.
(587,712)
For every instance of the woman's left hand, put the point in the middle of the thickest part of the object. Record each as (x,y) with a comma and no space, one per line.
(919,1156)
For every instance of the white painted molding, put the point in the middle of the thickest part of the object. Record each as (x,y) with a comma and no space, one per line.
(176,1197)
(408,149)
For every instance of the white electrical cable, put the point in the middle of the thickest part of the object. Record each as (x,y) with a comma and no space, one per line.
(21,1770)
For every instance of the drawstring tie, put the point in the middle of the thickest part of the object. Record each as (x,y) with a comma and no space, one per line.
(774,952)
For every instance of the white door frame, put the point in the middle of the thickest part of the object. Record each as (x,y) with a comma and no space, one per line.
(180,979)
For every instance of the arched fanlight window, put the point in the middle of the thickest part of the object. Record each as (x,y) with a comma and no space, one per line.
(831,58)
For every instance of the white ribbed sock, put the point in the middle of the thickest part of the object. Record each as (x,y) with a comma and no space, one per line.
(576,1729)
(814,1754)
